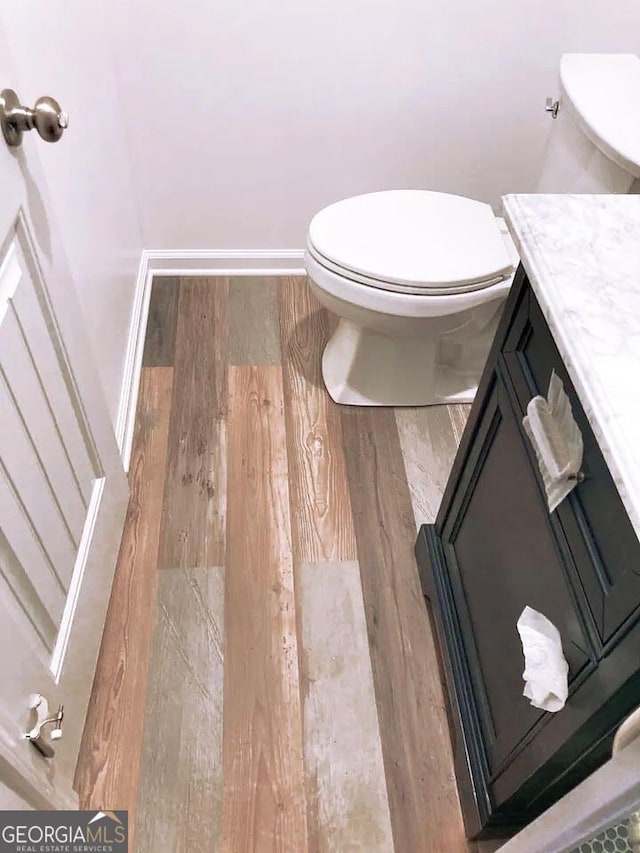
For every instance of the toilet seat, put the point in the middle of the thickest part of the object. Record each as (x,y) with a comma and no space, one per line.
(392,287)
(411,241)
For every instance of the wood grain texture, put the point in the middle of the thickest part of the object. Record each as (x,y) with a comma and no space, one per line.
(425,812)
(429,438)
(342,750)
(254,336)
(322,520)
(181,774)
(193,517)
(108,767)
(160,339)
(264,794)
(459,416)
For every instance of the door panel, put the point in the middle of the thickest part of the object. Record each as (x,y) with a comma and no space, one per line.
(63,491)
(596,526)
(520,560)
(24,549)
(21,377)
(33,324)
(21,466)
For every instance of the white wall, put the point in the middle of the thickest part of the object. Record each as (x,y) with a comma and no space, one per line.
(63,49)
(232,123)
(247,117)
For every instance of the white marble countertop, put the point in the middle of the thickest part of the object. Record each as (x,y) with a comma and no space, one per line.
(582,257)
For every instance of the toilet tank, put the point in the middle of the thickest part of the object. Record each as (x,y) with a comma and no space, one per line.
(594,143)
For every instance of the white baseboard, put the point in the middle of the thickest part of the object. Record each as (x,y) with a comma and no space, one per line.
(227,262)
(133,361)
(237,262)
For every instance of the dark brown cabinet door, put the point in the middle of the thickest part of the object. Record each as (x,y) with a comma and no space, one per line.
(494,549)
(604,546)
(502,556)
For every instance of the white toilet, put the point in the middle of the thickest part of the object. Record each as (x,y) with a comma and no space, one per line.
(418,279)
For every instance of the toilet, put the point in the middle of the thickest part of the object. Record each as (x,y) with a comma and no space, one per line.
(418,279)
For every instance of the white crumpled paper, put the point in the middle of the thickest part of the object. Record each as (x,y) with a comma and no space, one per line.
(545,667)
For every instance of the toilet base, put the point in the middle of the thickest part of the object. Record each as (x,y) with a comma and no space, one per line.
(364,367)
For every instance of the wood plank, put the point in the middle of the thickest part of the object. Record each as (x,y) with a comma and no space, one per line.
(425,812)
(429,441)
(108,766)
(459,415)
(180,801)
(342,750)
(264,797)
(254,320)
(193,517)
(322,522)
(160,340)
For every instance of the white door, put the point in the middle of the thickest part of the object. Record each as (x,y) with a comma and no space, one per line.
(63,491)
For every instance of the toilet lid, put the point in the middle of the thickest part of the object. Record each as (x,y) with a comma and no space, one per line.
(413,238)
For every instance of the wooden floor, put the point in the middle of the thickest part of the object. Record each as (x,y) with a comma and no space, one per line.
(268,678)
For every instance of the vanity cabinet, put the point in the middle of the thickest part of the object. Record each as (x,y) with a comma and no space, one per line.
(494,549)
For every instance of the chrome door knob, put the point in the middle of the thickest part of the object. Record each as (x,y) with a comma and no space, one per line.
(47,117)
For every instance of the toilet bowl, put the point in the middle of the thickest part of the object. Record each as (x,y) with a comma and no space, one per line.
(418,280)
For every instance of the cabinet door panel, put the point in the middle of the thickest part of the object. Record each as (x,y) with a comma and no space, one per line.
(502,556)
(604,545)
(494,549)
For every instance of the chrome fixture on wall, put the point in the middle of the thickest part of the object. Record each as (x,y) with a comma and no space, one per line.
(552,107)
(46,117)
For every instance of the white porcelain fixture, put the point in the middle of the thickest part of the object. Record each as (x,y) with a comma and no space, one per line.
(594,146)
(418,278)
